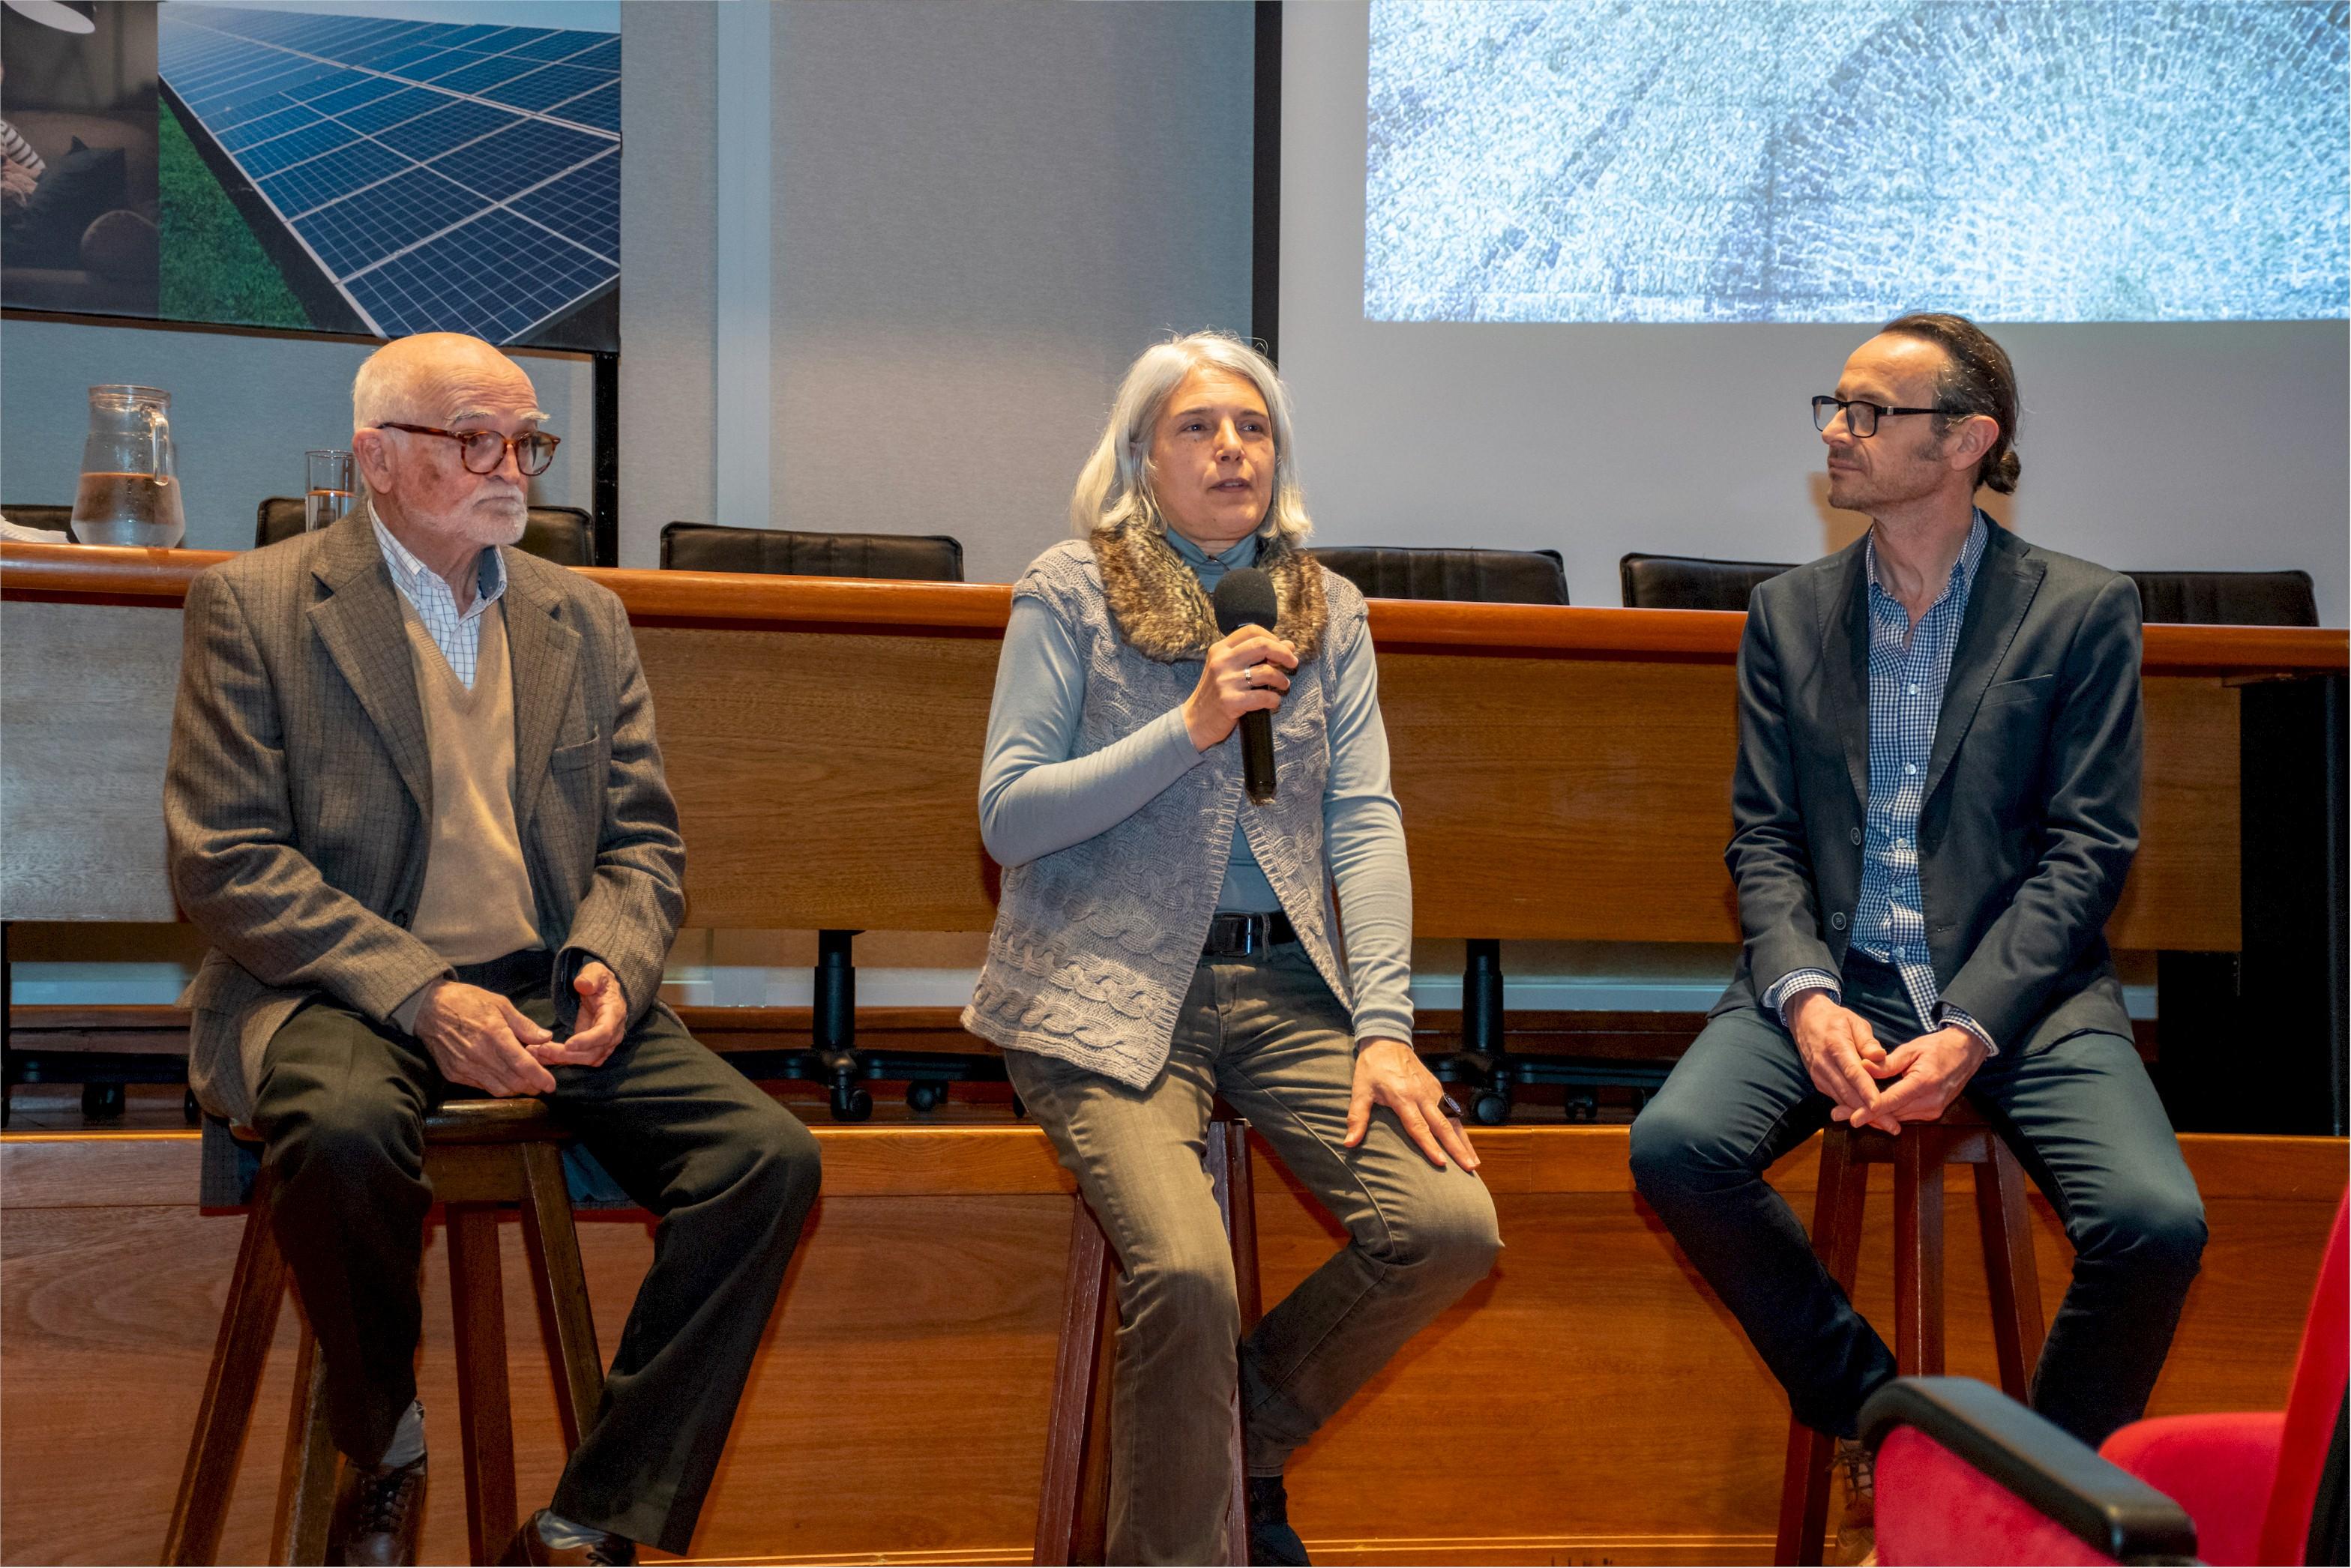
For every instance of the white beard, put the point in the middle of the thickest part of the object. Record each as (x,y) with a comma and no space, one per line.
(494,525)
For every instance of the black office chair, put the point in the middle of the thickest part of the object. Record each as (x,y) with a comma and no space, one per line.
(2225,598)
(1474,576)
(1692,583)
(49,519)
(834,1059)
(563,535)
(1477,577)
(2204,1000)
(782,553)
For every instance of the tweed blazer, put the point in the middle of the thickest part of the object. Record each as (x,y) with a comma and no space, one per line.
(2030,815)
(298,793)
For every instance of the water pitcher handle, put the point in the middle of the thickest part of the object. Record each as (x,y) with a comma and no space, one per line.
(159,444)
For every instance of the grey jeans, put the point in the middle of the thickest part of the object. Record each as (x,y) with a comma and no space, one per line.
(1265,1031)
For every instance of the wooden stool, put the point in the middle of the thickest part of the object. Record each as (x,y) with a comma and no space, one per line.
(1073,1510)
(1961,1136)
(479,1155)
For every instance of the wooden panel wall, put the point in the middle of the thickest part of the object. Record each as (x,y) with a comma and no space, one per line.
(1590,1401)
(829,775)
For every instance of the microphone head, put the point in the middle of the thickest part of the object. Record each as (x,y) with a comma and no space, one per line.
(1245,597)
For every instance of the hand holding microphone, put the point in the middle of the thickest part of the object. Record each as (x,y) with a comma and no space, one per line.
(1244,677)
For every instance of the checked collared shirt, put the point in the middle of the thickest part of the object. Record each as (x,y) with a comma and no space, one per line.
(1908,668)
(457,633)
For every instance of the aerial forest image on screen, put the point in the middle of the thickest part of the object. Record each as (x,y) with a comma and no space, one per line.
(1848,160)
(372,174)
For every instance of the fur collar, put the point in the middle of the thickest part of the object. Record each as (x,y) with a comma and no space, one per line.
(1163,612)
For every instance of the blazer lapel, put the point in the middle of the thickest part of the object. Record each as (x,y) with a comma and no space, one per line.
(544,657)
(359,624)
(1844,606)
(2006,579)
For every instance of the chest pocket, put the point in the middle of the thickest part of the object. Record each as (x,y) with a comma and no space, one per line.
(565,759)
(2032,689)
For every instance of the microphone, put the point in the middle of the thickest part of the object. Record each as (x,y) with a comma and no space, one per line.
(1244,598)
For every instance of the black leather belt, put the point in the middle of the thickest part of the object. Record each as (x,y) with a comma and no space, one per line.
(1237,936)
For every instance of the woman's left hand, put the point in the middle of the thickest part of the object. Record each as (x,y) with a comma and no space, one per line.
(1389,1072)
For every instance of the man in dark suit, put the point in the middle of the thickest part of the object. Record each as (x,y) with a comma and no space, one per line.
(1935,806)
(415,801)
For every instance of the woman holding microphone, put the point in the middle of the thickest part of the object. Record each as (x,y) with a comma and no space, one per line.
(1164,938)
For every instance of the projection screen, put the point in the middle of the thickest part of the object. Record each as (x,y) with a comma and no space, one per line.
(1563,274)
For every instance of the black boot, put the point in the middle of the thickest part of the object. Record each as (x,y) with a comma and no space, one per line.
(1270,1538)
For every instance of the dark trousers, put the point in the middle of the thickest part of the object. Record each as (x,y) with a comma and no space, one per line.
(2085,1122)
(732,1175)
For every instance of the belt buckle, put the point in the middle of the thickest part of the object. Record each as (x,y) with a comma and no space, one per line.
(1235,935)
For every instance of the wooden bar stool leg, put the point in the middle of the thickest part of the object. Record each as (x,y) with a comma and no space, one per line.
(477,1297)
(306,1486)
(2007,1226)
(248,1324)
(1229,1172)
(1919,1256)
(1071,1438)
(1837,1207)
(553,1243)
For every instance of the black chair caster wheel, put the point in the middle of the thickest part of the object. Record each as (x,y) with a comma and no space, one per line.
(851,1104)
(1492,1109)
(190,1110)
(1582,1108)
(101,1102)
(1020,1108)
(927,1096)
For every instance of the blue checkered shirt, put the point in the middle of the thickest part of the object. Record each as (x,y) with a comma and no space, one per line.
(1908,669)
(456,632)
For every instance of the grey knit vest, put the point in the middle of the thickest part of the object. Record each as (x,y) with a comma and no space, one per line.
(1094,945)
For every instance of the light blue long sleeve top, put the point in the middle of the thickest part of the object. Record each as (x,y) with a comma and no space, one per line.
(1035,798)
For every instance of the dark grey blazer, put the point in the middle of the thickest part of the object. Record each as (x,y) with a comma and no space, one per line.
(299,791)
(2031,809)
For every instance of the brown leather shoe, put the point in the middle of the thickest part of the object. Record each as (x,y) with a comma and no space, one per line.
(1856,1536)
(379,1514)
(529,1546)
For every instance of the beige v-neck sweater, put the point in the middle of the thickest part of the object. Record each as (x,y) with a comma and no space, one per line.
(476,903)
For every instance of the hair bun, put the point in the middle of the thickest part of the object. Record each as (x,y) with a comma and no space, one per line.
(2001,475)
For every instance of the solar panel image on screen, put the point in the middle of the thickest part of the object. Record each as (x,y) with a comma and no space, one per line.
(445,178)
(1849,159)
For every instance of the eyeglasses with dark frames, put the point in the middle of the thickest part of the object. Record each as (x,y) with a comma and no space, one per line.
(481,451)
(1860,417)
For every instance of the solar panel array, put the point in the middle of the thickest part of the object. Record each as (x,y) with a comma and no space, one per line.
(446,177)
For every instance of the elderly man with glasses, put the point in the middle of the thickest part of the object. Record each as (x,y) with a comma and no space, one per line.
(1934,803)
(416,802)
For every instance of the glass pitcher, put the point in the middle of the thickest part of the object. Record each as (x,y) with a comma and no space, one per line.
(130,491)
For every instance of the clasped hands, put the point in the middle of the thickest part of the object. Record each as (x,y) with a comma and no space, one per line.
(482,1039)
(1875,1087)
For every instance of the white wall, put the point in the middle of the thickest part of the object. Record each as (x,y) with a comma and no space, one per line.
(669,193)
(244,409)
(983,212)
(2213,445)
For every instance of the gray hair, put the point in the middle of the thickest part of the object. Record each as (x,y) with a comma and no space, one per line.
(1114,486)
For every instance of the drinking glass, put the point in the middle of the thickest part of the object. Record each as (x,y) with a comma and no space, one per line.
(326,498)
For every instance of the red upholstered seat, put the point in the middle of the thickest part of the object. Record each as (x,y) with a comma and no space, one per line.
(1966,1477)
(1937,1486)
(2219,1468)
